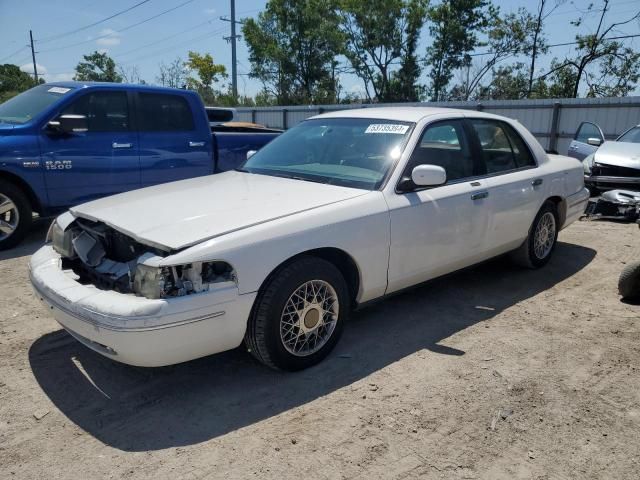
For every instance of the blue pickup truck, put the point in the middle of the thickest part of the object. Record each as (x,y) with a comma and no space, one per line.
(66,143)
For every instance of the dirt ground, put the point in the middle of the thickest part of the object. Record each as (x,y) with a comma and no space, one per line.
(495,372)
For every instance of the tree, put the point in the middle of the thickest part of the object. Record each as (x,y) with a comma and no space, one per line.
(455,25)
(538,42)
(97,67)
(507,36)
(14,81)
(618,66)
(173,74)
(130,74)
(292,49)
(208,73)
(379,34)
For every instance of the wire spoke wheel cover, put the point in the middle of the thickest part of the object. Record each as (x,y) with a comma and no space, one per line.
(9,217)
(544,236)
(309,318)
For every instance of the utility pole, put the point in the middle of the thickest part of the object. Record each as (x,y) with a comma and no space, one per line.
(232,39)
(33,56)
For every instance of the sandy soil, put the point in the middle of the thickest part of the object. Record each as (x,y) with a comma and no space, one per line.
(494,372)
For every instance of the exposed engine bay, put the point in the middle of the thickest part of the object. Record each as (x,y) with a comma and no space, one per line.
(101,256)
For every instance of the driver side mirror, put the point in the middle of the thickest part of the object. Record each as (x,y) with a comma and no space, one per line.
(596,142)
(68,124)
(428,175)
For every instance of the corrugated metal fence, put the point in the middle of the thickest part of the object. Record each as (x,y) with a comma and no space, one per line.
(553,122)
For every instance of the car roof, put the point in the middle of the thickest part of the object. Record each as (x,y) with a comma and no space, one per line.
(113,85)
(406,114)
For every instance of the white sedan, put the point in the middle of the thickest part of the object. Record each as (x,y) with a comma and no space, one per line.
(342,209)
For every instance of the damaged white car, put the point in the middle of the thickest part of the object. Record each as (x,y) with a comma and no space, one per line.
(342,209)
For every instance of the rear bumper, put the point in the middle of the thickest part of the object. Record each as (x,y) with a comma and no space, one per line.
(139,331)
(576,205)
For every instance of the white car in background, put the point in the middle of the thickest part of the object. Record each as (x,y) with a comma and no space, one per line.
(342,209)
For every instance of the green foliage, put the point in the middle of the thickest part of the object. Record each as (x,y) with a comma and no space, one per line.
(379,34)
(292,50)
(455,25)
(208,74)
(14,81)
(97,67)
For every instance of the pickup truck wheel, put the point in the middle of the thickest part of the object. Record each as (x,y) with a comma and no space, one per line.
(15,215)
(299,317)
(629,282)
(541,241)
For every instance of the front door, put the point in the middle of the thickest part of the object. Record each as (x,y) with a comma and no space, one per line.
(438,230)
(101,161)
(579,147)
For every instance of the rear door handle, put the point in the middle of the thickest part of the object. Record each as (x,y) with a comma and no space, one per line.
(121,145)
(537,182)
(479,195)
(196,144)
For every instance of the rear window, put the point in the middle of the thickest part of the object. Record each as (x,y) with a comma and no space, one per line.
(160,112)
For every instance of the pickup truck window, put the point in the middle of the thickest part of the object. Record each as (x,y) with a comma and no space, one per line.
(22,108)
(159,112)
(105,111)
(351,152)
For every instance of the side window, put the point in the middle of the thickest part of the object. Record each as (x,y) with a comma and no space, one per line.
(522,153)
(586,131)
(444,144)
(159,112)
(497,152)
(105,111)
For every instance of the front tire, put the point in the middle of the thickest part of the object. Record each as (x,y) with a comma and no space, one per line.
(299,316)
(15,215)
(536,250)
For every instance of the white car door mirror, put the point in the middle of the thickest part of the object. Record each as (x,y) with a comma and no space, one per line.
(428,175)
(596,142)
(251,153)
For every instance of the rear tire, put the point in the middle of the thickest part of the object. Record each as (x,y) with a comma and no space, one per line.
(537,249)
(629,282)
(299,316)
(15,215)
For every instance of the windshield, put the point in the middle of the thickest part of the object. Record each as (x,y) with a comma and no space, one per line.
(22,108)
(632,136)
(351,152)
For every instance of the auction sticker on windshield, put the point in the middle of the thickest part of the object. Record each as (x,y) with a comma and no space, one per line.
(387,128)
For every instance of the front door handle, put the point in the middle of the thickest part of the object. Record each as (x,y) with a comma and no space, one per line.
(537,182)
(121,145)
(196,144)
(479,195)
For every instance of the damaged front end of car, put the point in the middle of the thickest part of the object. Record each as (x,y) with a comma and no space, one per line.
(106,258)
(621,205)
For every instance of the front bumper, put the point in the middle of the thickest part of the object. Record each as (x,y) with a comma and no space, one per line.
(606,182)
(140,331)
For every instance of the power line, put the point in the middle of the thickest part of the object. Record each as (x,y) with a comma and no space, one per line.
(14,53)
(110,34)
(71,32)
(188,29)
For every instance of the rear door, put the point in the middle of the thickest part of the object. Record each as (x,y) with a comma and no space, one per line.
(579,147)
(515,190)
(171,146)
(101,161)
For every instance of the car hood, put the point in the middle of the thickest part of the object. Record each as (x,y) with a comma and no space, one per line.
(619,154)
(181,214)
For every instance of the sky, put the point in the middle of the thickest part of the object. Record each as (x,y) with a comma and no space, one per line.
(62,33)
